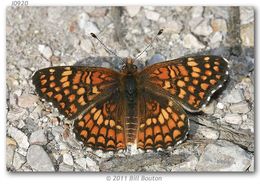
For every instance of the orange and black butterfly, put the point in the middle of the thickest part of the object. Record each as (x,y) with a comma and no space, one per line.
(147,108)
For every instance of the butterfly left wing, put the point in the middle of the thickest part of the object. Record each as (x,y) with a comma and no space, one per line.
(163,122)
(72,89)
(101,126)
(191,81)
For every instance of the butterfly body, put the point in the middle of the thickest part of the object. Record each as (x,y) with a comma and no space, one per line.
(113,109)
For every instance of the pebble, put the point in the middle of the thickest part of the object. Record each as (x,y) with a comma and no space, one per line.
(246,14)
(207,133)
(45,51)
(191,42)
(223,156)
(247,35)
(151,15)
(196,11)
(86,45)
(65,168)
(16,114)
(187,166)
(38,159)
(132,10)
(98,12)
(234,119)
(203,29)
(67,159)
(210,108)
(92,165)
(86,25)
(38,138)
(241,107)
(81,162)
(18,160)
(172,27)
(20,138)
(27,100)
(216,39)
(156,59)
(219,25)
(9,154)
(235,96)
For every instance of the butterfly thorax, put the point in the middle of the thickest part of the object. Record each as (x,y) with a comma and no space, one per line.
(130,92)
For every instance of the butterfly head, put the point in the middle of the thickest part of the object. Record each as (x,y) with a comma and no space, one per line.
(129,67)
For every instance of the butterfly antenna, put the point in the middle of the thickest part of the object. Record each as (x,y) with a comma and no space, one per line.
(106,48)
(148,46)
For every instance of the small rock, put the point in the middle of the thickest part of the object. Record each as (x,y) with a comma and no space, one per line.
(92,165)
(87,26)
(189,41)
(156,59)
(151,15)
(235,119)
(38,138)
(10,150)
(241,107)
(203,29)
(247,35)
(235,96)
(99,12)
(219,25)
(18,136)
(65,168)
(196,11)
(223,156)
(86,45)
(27,100)
(132,10)
(45,51)
(187,166)
(67,159)
(172,27)
(210,108)
(18,161)
(38,159)
(246,15)
(81,162)
(252,166)
(220,105)
(16,114)
(207,133)
(216,39)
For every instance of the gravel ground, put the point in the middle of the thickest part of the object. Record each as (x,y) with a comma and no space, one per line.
(39,139)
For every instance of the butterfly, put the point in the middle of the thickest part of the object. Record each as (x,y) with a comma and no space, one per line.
(145,108)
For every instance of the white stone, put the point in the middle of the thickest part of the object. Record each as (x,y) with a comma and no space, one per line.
(220,105)
(18,160)
(16,114)
(190,41)
(196,11)
(9,154)
(132,10)
(223,156)
(219,25)
(38,137)
(234,119)
(210,108)
(86,45)
(247,35)
(235,96)
(27,100)
(186,166)
(86,25)
(173,27)
(246,15)
(67,159)
(38,159)
(151,15)
(19,137)
(45,51)
(203,29)
(241,107)
(216,39)
(81,162)
(91,164)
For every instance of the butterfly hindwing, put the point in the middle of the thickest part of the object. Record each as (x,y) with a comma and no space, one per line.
(72,89)
(163,122)
(191,80)
(101,127)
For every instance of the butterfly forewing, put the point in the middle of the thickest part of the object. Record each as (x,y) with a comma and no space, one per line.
(191,80)
(72,89)
(163,122)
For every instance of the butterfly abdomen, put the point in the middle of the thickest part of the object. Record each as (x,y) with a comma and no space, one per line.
(130,90)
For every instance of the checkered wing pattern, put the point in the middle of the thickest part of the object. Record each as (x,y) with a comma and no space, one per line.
(190,81)
(73,89)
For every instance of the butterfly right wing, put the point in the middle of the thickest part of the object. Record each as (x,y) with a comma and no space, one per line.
(72,89)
